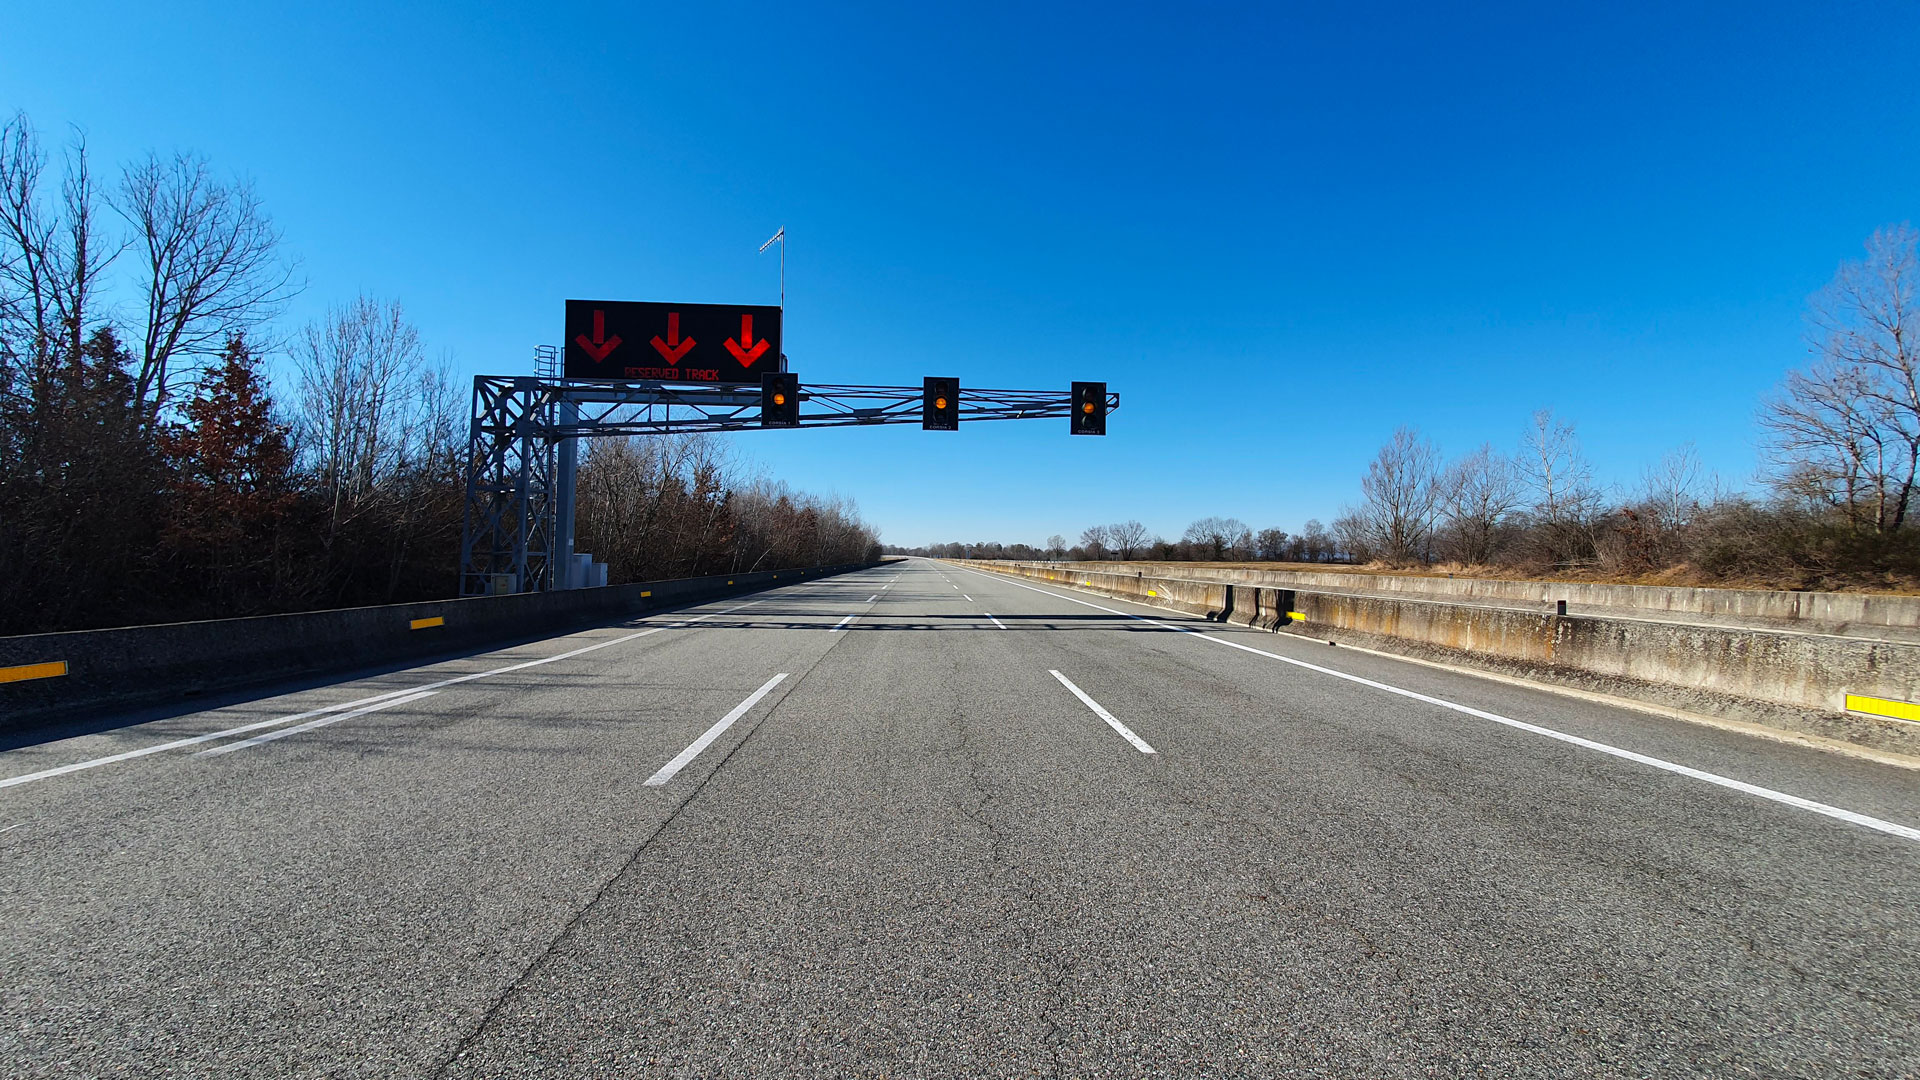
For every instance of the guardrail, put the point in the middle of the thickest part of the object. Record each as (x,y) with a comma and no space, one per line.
(57,676)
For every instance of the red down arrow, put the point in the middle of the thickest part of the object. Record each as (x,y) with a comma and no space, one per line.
(673,348)
(740,349)
(601,345)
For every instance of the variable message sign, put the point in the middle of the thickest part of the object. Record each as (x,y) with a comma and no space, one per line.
(690,343)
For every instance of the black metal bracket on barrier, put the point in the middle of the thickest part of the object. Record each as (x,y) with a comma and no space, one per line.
(509,531)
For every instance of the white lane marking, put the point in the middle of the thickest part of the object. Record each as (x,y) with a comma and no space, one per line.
(837,627)
(1892,828)
(94,763)
(10,828)
(693,749)
(1125,733)
(872,598)
(956,588)
(282,733)
(996,622)
(967,598)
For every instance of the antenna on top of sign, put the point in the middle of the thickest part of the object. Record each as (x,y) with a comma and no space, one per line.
(781,238)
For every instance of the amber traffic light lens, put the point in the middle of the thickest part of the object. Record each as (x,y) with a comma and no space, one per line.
(779,399)
(1087,408)
(939,403)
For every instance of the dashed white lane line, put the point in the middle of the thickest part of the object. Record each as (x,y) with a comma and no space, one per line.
(996,622)
(841,625)
(1125,732)
(1892,828)
(872,598)
(282,733)
(210,736)
(682,759)
(10,828)
(967,598)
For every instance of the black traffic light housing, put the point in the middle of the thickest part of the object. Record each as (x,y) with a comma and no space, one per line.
(780,399)
(940,404)
(1089,408)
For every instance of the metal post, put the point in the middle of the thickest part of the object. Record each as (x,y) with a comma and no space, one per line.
(564,576)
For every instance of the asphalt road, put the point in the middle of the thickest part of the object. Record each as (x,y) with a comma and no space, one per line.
(932,842)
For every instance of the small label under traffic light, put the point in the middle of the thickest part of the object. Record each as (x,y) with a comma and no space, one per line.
(1089,408)
(940,404)
(780,399)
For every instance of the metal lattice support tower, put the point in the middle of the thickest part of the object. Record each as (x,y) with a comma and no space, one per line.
(508,539)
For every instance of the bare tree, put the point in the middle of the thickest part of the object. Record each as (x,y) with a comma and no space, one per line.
(1671,489)
(1128,537)
(211,266)
(50,260)
(1846,431)
(363,402)
(1560,481)
(1401,497)
(1316,544)
(1094,541)
(1219,538)
(1555,470)
(1270,545)
(1478,495)
(1056,546)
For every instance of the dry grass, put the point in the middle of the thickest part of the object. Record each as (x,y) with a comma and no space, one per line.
(1683,575)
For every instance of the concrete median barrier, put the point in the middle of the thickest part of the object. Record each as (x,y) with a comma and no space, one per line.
(1785,679)
(1856,614)
(46,677)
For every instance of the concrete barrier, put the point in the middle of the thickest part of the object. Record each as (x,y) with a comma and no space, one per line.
(1790,680)
(60,675)
(1819,611)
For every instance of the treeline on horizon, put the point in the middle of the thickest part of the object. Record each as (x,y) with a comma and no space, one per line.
(151,472)
(1210,539)
(1834,507)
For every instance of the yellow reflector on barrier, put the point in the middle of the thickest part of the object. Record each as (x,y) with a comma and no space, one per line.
(1893,710)
(649,592)
(1150,592)
(1296,616)
(24,672)
(427,624)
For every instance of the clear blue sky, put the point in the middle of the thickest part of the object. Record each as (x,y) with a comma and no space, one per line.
(1278,233)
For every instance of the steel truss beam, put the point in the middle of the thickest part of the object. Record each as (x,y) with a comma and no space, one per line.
(507,537)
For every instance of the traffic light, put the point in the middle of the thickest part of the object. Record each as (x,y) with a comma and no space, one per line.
(780,399)
(1089,408)
(940,404)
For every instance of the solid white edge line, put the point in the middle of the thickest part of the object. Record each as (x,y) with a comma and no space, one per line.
(311,724)
(1125,732)
(195,740)
(682,759)
(1892,828)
